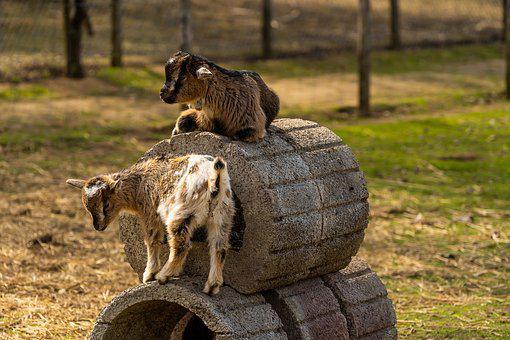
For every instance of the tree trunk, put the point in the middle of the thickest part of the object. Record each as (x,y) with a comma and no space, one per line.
(185,21)
(266,29)
(67,25)
(74,39)
(507,47)
(505,17)
(395,25)
(116,33)
(364,47)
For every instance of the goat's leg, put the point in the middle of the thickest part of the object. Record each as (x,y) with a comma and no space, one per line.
(254,130)
(218,238)
(179,234)
(249,135)
(192,120)
(152,241)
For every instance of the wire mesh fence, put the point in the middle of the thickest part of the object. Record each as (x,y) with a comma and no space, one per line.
(31,31)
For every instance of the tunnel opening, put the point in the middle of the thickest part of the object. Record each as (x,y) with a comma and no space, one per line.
(158,319)
(197,330)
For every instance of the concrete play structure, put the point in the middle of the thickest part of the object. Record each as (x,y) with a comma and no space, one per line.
(291,272)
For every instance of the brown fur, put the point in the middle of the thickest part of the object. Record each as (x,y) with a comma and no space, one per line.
(237,104)
(174,194)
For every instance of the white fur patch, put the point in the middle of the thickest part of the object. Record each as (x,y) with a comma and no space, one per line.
(91,191)
(203,172)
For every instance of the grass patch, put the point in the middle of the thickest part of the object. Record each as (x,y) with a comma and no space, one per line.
(478,319)
(439,230)
(439,200)
(384,62)
(429,153)
(18,93)
(139,79)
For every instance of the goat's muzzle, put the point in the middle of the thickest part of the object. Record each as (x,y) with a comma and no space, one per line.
(166,96)
(98,226)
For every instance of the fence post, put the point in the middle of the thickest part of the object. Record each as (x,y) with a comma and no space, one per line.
(505,17)
(185,23)
(395,25)
(266,29)
(74,26)
(507,46)
(67,24)
(364,47)
(116,33)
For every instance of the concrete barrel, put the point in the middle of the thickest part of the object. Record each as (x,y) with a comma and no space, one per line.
(351,303)
(301,206)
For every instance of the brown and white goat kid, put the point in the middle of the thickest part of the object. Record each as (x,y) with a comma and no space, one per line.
(237,104)
(176,194)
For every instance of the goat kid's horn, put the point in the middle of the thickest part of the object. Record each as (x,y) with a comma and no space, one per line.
(78,183)
(203,73)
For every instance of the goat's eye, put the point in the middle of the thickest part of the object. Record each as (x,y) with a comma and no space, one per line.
(106,205)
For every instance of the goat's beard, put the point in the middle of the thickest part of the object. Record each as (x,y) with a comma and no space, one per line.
(99,227)
(169,98)
(102,224)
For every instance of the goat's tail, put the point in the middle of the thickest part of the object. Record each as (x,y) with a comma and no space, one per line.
(220,174)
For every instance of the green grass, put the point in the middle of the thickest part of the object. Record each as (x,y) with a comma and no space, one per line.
(383,62)
(432,70)
(19,93)
(441,167)
(450,154)
(446,276)
(473,316)
(139,79)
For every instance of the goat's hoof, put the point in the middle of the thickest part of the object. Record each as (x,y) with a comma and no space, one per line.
(162,279)
(148,277)
(212,289)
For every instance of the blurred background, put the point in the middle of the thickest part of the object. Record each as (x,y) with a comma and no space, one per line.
(33,34)
(417,88)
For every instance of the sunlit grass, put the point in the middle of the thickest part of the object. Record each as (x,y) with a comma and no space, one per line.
(435,155)
(18,92)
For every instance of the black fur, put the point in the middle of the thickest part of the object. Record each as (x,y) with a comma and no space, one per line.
(178,82)
(223,254)
(219,164)
(230,73)
(182,71)
(187,123)
(244,134)
(216,189)
(218,127)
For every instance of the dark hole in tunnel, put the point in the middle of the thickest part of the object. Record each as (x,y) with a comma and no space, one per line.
(197,330)
(157,319)
(237,234)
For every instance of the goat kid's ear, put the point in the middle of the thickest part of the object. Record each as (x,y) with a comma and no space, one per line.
(181,53)
(77,183)
(204,73)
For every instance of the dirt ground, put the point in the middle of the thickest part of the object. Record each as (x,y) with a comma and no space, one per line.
(446,269)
